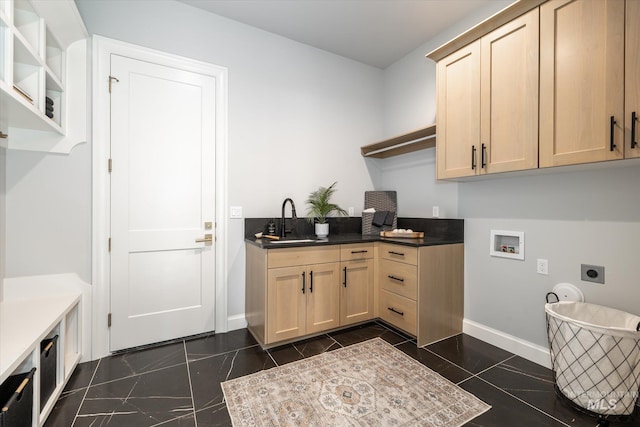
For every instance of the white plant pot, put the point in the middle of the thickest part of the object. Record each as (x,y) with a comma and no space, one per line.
(322,230)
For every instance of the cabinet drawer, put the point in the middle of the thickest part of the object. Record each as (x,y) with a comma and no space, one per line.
(290,257)
(398,278)
(400,253)
(398,310)
(356,251)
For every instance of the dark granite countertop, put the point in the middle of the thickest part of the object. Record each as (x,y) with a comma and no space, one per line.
(437,232)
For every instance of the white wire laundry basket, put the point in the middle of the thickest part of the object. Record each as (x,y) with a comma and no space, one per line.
(595,356)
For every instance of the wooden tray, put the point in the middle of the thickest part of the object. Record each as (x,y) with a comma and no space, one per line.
(412,235)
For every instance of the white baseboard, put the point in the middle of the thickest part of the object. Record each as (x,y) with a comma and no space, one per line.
(236,322)
(522,348)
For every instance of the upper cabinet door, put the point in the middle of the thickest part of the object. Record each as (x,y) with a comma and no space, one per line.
(581,81)
(458,120)
(632,80)
(509,113)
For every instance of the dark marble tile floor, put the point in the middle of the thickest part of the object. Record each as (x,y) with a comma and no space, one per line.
(178,384)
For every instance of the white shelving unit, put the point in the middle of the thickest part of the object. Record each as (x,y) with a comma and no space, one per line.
(43,53)
(36,308)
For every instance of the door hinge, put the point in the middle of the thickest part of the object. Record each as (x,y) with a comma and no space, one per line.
(109,244)
(109,320)
(111,79)
(110,165)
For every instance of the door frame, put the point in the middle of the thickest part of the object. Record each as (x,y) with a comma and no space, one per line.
(103,48)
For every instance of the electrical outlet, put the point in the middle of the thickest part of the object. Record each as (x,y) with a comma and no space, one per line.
(435,211)
(542,266)
(351,211)
(592,273)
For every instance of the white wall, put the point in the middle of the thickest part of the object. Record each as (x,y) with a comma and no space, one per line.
(49,213)
(297,117)
(570,216)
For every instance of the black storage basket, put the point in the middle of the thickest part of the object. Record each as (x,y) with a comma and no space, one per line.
(16,400)
(48,368)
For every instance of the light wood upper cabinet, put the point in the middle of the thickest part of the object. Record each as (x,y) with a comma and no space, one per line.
(581,81)
(458,119)
(509,96)
(488,103)
(632,80)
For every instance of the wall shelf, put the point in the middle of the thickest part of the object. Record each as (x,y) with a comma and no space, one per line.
(418,139)
(43,54)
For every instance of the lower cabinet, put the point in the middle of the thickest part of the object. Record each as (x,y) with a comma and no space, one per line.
(302,300)
(295,292)
(398,279)
(422,289)
(357,290)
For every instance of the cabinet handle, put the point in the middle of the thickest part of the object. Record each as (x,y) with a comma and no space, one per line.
(359,252)
(311,281)
(401,313)
(473,157)
(483,155)
(396,253)
(345,277)
(612,144)
(395,278)
(304,279)
(634,119)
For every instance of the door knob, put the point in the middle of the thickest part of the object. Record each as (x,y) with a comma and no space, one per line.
(207,239)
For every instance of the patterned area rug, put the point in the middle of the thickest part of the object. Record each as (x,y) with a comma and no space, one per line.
(366,384)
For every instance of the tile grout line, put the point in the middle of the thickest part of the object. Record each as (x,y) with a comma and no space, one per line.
(75,417)
(522,401)
(137,375)
(193,404)
(222,353)
(493,366)
(451,362)
(271,357)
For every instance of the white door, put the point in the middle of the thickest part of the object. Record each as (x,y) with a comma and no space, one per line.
(162,202)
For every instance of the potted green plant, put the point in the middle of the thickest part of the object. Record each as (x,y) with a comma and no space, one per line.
(320,207)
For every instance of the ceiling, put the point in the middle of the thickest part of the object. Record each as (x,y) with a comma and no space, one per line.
(374,32)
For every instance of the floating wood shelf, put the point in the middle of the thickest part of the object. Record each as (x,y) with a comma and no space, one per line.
(419,139)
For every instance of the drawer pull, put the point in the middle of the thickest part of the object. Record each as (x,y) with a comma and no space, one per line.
(345,277)
(396,253)
(304,279)
(359,252)
(399,279)
(401,313)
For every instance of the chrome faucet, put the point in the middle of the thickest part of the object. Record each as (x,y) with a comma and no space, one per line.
(283,231)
